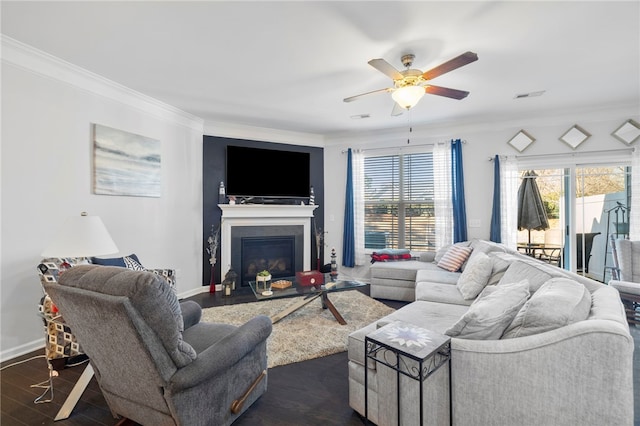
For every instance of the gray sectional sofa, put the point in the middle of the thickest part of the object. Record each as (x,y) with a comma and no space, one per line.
(537,346)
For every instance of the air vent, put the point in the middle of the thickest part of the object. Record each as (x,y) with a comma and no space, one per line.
(529,95)
(360,116)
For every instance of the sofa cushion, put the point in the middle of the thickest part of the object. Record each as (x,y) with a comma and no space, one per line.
(475,276)
(454,258)
(441,293)
(519,270)
(432,273)
(491,313)
(501,263)
(558,302)
(398,270)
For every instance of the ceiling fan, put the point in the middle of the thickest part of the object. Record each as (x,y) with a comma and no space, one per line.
(411,84)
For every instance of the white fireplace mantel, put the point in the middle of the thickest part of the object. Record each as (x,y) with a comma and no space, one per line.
(230,211)
(262,215)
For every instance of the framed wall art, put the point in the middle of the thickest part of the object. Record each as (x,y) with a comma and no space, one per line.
(628,132)
(521,140)
(575,136)
(125,163)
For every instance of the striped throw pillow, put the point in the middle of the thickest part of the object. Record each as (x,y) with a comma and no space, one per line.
(454,258)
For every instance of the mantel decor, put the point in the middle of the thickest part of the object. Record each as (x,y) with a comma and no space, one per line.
(521,140)
(628,132)
(575,136)
(125,163)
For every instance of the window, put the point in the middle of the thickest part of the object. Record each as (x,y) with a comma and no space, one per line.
(398,198)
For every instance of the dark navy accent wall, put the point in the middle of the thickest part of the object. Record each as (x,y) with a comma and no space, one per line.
(213,172)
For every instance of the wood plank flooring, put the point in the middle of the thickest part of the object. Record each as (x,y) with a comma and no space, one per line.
(313,392)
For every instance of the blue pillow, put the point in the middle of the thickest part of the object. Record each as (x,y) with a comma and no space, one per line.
(131,262)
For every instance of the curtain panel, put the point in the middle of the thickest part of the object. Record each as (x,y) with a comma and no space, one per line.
(443,204)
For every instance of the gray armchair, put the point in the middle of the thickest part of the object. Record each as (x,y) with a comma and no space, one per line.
(626,275)
(155,362)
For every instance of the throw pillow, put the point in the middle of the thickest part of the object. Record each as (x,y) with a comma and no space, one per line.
(454,258)
(443,250)
(520,270)
(475,276)
(491,313)
(501,263)
(130,262)
(559,302)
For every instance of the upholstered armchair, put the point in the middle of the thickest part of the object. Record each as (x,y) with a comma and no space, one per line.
(61,345)
(155,362)
(626,275)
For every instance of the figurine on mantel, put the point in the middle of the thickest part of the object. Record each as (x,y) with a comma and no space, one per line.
(334,265)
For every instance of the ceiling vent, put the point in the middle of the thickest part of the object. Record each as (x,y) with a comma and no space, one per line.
(529,95)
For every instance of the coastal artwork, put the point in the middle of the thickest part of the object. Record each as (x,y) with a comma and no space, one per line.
(125,163)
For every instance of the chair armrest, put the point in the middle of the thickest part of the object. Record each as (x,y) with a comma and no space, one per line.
(223,354)
(191,313)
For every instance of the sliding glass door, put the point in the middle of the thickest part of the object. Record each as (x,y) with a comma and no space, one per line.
(585,205)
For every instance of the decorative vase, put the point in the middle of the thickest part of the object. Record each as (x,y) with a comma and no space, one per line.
(212,281)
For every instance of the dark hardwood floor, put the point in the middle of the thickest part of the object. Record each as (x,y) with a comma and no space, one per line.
(313,392)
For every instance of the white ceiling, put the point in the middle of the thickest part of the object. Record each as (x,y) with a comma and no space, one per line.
(288,65)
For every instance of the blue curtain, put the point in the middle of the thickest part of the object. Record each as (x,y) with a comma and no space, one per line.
(349,234)
(457,183)
(495,212)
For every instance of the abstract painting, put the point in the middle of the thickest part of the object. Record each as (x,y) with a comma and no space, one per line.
(125,163)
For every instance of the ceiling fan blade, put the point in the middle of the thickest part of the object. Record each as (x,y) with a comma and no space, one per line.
(386,68)
(397,110)
(446,92)
(457,62)
(353,98)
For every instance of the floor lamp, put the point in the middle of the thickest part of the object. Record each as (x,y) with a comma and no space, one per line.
(80,236)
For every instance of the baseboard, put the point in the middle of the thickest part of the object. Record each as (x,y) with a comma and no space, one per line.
(8,354)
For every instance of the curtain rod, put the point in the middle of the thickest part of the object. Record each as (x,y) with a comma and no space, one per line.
(464,141)
(570,154)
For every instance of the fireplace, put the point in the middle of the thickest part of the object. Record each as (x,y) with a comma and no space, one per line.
(273,237)
(271,248)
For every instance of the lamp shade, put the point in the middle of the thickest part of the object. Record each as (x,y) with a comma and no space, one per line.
(81,236)
(408,96)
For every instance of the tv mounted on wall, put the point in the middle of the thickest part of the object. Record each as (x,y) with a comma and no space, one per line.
(266,174)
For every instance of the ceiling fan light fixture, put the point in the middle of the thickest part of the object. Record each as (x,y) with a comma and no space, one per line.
(408,96)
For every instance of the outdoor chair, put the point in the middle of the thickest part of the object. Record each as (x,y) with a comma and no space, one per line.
(588,245)
(155,362)
(626,275)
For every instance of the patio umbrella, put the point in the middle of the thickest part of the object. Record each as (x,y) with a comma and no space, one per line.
(531,213)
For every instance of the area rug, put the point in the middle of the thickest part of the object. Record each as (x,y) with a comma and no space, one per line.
(310,332)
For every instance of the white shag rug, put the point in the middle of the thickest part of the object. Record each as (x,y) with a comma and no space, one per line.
(310,332)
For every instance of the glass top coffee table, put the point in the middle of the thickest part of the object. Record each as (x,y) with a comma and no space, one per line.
(311,293)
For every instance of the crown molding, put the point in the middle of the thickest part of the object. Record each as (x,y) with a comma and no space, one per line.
(28,58)
(240,131)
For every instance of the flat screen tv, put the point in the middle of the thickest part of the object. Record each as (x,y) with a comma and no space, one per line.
(266,173)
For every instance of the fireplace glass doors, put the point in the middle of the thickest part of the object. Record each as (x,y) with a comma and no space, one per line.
(277,249)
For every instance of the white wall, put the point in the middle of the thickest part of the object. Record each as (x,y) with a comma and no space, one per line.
(47,110)
(483,141)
